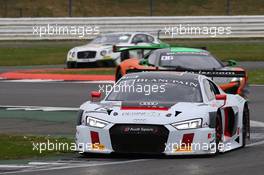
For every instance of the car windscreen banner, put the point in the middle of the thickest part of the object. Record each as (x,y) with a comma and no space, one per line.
(208,73)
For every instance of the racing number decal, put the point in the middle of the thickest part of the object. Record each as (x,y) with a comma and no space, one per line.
(166,58)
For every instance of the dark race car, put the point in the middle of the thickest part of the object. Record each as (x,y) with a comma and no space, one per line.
(231,79)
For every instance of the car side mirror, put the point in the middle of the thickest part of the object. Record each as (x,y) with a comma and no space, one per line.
(221,97)
(95,95)
(231,63)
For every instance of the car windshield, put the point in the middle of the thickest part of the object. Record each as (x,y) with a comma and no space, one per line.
(194,61)
(163,90)
(111,39)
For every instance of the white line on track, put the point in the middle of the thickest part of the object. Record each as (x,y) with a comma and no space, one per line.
(256,123)
(77,166)
(37,108)
(46,163)
(13,166)
(255,144)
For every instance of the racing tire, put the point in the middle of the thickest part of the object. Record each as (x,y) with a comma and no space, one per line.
(245,125)
(218,132)
(71,65)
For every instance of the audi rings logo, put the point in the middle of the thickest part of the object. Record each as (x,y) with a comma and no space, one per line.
(148,103)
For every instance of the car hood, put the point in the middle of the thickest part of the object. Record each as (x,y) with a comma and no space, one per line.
(123,112)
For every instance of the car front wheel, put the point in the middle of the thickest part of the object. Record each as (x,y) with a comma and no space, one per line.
(71,65)
(245,125)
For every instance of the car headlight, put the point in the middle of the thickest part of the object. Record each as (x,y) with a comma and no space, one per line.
(103,52)
(94,122)
(73,54)
(190,124)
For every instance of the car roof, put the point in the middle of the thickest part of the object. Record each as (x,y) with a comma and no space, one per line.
(164,75)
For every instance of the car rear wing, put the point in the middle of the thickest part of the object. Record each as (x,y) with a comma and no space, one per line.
(208,73)
(121,48)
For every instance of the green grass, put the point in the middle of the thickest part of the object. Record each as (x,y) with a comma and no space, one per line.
(50,8)
(256,76)
(23,53)
(231,50)
(21,147)
(32,56)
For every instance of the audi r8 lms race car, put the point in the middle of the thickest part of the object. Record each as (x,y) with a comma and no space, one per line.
(99,50)
(182,59)
(149,112)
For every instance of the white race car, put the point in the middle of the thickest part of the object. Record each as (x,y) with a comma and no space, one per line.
(100,50)
(169,113)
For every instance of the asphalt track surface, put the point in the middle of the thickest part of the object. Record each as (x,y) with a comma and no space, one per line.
(249,160)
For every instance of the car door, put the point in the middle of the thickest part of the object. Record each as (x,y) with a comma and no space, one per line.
(229,115)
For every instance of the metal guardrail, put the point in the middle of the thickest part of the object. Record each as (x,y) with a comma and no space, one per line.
(240,26)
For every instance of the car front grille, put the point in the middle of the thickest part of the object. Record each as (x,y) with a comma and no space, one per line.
(86,54)
(137,138)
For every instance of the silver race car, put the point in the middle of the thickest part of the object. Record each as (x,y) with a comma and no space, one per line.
(100,50)
(172,113)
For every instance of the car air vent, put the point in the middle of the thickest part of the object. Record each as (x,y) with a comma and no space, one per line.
(177,113)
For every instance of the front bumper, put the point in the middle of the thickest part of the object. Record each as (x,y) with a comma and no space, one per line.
(109,140)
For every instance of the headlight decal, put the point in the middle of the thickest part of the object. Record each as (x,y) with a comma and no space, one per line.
(189,124)
(97,123)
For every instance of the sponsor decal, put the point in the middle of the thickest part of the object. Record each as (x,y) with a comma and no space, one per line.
(141,113)
(139,120)
(98,146)
(184,148)
(148,103)
(140,130)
